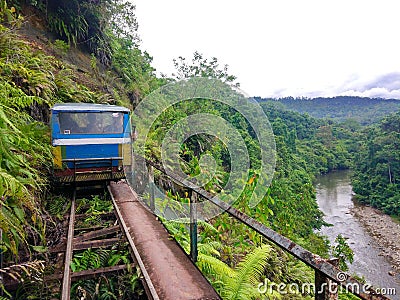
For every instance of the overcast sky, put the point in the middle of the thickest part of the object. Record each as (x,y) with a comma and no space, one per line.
(280,48)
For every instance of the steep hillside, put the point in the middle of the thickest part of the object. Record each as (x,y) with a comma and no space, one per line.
(40,66)
(37,69)
(377,166)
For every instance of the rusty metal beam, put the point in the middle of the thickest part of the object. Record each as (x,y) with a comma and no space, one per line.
(96,243)
(86,244)
(96,233)
(101,215)
(66,284)
(87,274)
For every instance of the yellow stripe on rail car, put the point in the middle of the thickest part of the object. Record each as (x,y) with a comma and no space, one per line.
(57,157)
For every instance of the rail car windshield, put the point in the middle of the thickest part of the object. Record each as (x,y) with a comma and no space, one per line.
(90,122)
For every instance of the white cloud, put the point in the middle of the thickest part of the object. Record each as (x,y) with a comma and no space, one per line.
(381,86)
(286,47)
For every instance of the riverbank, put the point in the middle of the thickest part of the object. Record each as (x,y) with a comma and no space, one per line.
(384,231)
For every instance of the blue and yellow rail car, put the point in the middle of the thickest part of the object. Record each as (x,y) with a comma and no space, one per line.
(92,142)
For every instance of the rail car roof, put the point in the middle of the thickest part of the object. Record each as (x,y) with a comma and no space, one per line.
(86,107)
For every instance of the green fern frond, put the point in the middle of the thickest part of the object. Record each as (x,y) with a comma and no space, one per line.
(104,256)
(10,186)
(207,227)
(215,268)
(248,275)
(298,272)
(210,248)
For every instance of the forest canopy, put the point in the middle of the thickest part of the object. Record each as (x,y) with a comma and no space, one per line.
(312,136)
(348,109)
(376,179)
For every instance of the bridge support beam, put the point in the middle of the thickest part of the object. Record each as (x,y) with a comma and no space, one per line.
(193,227)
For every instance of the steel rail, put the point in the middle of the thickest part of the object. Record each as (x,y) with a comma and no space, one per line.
(66,285)
(148,283)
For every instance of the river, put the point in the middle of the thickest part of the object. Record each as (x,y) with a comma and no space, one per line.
(334,197)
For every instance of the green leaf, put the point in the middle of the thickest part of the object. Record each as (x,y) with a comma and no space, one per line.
(40,249)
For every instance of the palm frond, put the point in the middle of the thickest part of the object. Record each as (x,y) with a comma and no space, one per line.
(29,270)
(11,186)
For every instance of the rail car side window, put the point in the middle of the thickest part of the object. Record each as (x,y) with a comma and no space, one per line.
(91,122)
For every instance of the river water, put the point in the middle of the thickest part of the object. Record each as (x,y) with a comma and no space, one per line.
(334,197)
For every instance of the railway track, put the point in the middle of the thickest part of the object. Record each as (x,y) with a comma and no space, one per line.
(66,284)
(84,241)
(166,271)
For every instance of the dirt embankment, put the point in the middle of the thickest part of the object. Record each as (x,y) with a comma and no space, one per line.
(384,230)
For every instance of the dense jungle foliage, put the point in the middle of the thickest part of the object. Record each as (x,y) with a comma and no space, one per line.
(376,159)
(34,76)
(377,166)
(88,51)
(374,142)
(305,147)
(349,109)
(36,71)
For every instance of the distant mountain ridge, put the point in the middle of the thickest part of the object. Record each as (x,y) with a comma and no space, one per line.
(341,108)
